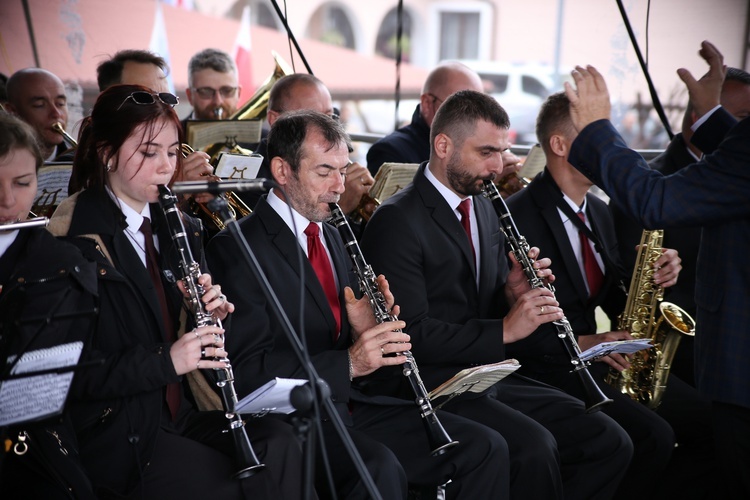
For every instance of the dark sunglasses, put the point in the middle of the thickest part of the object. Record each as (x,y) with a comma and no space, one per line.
(141,97)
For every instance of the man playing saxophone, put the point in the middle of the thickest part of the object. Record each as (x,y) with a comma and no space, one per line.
(589,275)
(308,153)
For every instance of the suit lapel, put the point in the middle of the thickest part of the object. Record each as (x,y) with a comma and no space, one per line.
(488,240)
(444,216)
(284,241)
(546,195)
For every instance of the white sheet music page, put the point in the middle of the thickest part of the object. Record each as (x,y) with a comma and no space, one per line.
(36,397)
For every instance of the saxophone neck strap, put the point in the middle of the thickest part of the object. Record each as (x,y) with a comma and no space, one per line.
(609,265)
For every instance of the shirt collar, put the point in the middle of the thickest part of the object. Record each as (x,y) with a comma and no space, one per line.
(450,197)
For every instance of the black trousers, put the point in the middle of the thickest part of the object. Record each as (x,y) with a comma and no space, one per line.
(477,467)
(732,435)
(657,467)
(201,460)
(556,449)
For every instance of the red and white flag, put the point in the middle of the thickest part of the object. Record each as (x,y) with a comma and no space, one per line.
(185,4)
(242,56)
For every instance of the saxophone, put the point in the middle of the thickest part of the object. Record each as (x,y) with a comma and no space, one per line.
(646,379)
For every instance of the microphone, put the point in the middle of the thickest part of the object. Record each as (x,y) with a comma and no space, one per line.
(217,187)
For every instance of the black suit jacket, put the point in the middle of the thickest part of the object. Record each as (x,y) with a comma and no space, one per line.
(258,347)
(535,212)
(417,242)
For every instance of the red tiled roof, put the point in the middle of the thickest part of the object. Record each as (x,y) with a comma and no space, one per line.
(73,37)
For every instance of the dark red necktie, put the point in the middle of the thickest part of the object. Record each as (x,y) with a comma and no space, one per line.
(152,264)
(322,266)
(464,208)
(594,275)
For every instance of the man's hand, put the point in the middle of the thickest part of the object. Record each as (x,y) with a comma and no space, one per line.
(359,312)
(517,283)
(668,268)
(590,102)
(532,309)
(370,349)
(615,360)
(706,92)
(358,182)
(195,167)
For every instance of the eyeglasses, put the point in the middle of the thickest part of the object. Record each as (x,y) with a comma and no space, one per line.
(209,92)
(141,97)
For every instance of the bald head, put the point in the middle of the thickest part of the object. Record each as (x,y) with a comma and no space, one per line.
(38,97)
(297,92)
(446,79)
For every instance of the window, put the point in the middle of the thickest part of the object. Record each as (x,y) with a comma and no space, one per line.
(460,35)
(385,45)
(531,85)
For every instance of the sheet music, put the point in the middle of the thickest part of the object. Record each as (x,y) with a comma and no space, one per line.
(618,346)
(392,178)
(534,163)
(272,397)
(36,397)
(238,167)
(204,133)
(476,379)
(52,187)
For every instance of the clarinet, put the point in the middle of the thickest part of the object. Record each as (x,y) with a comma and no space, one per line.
(595,398)
(437,436)
(247,461)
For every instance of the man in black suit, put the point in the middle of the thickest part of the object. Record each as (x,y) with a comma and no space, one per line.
(309,158)
(463,304)
(735,99)
(546,213)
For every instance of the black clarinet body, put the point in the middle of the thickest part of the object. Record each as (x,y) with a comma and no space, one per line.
(247,461)
(437,436)
(595,398)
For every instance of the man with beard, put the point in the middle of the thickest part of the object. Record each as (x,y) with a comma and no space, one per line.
(308,154)
(440,246)
(213,88)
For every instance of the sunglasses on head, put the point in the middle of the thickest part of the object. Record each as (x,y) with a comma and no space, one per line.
(142,97)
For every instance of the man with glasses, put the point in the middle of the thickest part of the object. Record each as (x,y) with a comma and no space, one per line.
(213,89)
(411,144)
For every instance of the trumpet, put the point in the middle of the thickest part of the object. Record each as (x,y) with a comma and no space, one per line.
(70,143)
(365,209)
(236,206)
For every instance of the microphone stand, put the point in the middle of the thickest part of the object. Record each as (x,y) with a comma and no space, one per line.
(319,391)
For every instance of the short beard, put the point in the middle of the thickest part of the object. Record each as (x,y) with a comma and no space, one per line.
(460,180)
(307,208)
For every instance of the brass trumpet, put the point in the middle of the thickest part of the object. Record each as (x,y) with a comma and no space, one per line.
(70,143)
(365,209)
(212,220)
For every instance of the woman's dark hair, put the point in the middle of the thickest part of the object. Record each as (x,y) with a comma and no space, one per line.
(17,134)
(115,117)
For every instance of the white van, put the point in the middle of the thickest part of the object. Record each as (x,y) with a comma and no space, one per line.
(520,89)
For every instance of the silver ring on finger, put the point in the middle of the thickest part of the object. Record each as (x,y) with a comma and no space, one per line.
(196,334)
(541,308)
(198,365)
(217,338)
(203,353)
(382,351)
